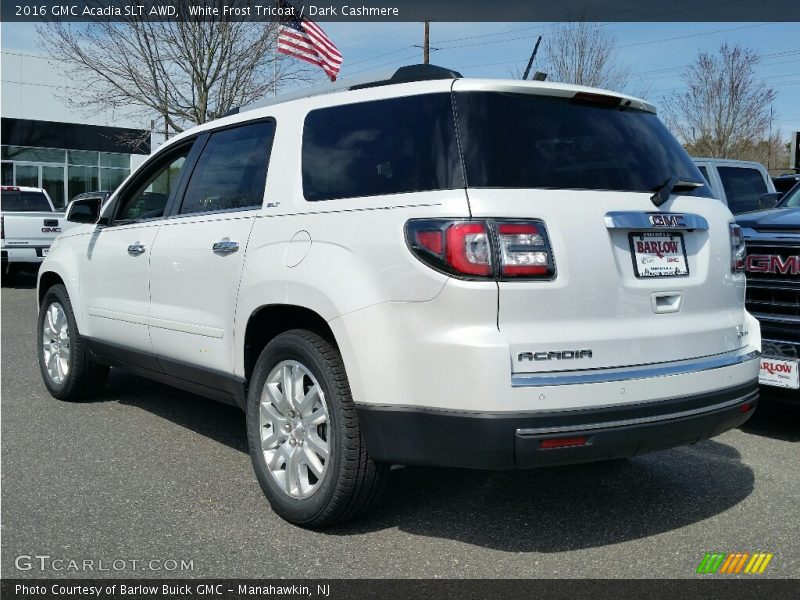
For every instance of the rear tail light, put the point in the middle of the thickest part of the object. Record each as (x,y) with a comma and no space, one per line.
(738,249)
(483,249)
(522,250)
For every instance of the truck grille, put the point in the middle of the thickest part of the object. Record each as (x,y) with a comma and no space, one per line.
(774,296)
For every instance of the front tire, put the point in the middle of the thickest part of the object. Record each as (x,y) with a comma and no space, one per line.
(68,371)
(304,437)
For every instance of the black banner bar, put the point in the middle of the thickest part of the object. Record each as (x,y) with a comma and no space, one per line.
(752,587)
(404,10)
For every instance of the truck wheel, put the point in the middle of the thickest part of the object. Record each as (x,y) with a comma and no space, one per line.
(68,371)
(304,436)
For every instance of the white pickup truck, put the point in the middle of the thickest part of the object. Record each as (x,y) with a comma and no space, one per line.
(29,224)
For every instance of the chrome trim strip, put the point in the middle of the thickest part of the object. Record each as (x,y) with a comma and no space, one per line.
(641,220)
(638,420)
(681,367)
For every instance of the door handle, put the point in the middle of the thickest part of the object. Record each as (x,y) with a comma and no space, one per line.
(136,249)
(225,247)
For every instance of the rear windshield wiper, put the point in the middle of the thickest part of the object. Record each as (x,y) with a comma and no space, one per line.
(673,183)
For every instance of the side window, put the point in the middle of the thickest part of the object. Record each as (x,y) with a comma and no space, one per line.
(743,188)
(148,200)
(232,170)
(704,172)
(382,147)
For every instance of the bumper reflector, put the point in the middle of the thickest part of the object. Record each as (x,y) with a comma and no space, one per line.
(563,442)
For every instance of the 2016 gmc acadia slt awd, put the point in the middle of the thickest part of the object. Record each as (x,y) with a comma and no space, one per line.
(424,270)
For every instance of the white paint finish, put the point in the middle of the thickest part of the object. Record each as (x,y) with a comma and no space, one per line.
(194,290)
(114,284)
(596,301)
(412,336)
(297,249)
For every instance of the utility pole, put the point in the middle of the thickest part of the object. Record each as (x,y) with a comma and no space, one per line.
(426,44)
(533,55)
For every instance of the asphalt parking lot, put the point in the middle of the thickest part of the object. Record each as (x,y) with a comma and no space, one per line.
(146,472)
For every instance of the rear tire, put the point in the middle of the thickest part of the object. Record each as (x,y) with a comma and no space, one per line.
(308,453)
(67,368)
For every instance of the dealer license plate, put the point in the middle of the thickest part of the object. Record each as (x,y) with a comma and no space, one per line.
(659,254)
(779,373)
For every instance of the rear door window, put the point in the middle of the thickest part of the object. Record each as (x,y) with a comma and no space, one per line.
(743,188)
(388,146)
(24,201)
(232,170)
(514,140)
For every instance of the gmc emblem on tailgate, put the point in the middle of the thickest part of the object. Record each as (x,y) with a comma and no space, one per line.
(667,220)
(773,263)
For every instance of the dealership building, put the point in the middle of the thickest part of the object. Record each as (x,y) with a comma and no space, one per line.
(46,143)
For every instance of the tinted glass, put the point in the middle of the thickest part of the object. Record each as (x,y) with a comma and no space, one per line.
(8,174)
(526,141)
(81,179)
(743,188)
(148,200)
(24,201)
(792,198)
(232,170)
(384,147)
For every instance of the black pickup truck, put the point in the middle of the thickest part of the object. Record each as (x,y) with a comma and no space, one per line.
(773,290)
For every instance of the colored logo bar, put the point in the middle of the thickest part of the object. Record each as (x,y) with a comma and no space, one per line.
(733,563)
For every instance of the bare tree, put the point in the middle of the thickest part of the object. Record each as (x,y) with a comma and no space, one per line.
(180,73)
(584,53)
(725,112)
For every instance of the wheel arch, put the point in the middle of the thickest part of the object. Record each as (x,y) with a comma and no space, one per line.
(270,320)
(47,280)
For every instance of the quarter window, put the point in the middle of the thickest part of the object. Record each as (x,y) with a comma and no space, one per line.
(232,170)
(383,147)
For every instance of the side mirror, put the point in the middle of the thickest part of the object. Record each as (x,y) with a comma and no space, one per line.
(769,200)
(86,210)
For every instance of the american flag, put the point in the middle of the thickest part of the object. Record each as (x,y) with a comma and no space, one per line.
(303,39)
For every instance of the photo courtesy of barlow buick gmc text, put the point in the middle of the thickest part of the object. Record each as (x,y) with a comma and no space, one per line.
(399,300)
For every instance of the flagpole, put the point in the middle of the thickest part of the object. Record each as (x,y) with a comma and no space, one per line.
(426,44)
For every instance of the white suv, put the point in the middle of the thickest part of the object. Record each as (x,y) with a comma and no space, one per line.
(423,270)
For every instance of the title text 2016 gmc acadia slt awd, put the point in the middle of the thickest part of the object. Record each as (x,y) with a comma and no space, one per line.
(423,270)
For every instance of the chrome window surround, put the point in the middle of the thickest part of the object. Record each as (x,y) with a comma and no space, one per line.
(641,220)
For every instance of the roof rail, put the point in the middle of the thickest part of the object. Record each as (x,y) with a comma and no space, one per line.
(405,74)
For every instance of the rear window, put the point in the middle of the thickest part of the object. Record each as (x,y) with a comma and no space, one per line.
(743,188)
(24,201)
(527,141)
(384,147)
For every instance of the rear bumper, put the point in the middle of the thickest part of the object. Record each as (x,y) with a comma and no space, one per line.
(26,254)
(405,435)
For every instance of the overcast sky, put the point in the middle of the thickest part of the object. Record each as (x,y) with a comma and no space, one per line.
(656,52)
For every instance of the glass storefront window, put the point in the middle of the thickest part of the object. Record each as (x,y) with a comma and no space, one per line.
(81,179)
(82,157)
(27,175)
(120,161)
(64,173)
(8,174)
(110,179)
(53,182)
(32,154)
